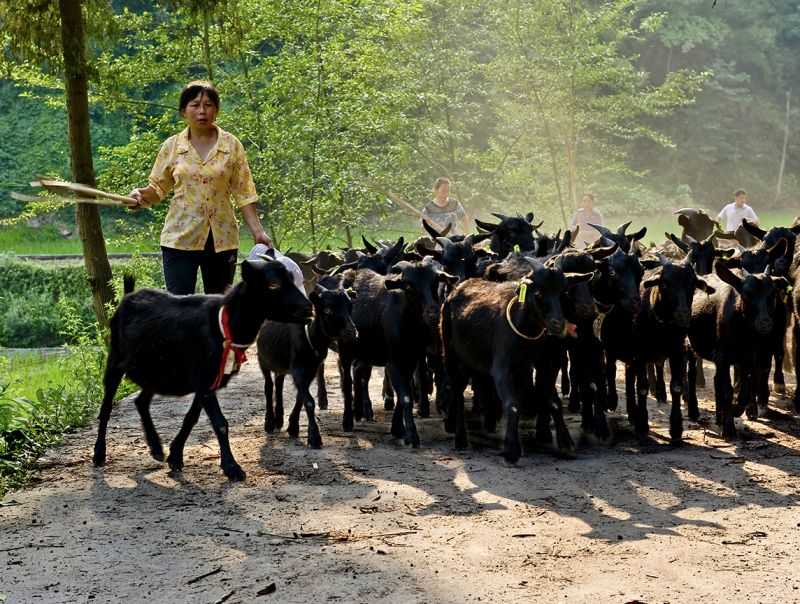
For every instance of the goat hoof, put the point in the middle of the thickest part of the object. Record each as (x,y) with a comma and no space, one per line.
(512,455)
(412,439)
(779,388)
(752,412)
(99,458)
(157,454)
(315,442)
(388,404)
(322,403)
(461,443)
(347,424)
(175,462)
(235,473)
(398,431)
(694,414)
(293,430)
(269,426)
(601,431)
(424,411)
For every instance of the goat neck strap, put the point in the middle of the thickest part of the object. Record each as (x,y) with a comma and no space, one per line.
(239,350)
(511,323)
(653,305)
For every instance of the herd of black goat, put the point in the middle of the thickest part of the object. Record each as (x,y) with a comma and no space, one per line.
(507,319)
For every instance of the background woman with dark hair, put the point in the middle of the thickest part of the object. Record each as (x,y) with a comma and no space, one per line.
(207,169)
(443,209)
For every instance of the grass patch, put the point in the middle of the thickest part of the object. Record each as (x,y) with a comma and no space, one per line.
(43,397)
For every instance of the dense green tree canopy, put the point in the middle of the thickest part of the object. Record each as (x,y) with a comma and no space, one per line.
(523,103)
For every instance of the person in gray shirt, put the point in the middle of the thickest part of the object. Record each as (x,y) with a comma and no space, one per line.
(443,210)
(581,219)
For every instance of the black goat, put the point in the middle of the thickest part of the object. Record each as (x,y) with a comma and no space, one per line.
(393,316)
(584,380)
(300,350)
(731,328)
(696,224)
(616,289)
(510,232)
(176,345)
(659,334)
(496,330)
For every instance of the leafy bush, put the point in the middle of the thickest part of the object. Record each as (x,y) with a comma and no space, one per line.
(29,426)
(30,294)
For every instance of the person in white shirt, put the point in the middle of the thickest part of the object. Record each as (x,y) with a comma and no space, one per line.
(732,214)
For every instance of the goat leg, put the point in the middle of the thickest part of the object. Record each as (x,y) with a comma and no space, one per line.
(677,378)
(322,389)
(269,414)
(228,464)
(279,379)
(111,380)
(175,458)
(151,436)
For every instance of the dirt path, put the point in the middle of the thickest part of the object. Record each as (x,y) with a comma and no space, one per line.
(365,519)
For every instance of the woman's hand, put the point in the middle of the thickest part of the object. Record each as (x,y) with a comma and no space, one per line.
(262,237)
(136,195)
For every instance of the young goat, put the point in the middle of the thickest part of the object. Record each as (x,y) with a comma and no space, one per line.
(284,348)
(176,345)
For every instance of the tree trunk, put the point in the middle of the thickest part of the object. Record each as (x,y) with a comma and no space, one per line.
(785,145)
(98,269)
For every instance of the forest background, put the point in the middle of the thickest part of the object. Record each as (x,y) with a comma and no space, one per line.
(343,106)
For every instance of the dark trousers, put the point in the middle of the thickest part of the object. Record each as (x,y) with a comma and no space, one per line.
(180,268)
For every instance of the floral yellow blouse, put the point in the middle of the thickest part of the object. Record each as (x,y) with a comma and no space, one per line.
(203,191)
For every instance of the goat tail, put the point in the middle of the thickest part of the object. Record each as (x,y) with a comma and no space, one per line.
(128,283)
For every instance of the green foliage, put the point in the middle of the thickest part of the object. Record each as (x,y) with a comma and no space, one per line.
(29,425)
(32,296)
(524,104)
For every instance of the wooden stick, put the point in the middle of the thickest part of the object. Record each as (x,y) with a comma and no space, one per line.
(49,183)
(97,202)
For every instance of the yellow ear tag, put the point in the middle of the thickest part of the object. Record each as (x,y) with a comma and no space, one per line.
(516,251)
(523,291)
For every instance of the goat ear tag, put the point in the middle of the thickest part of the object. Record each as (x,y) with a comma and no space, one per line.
(516,249)
(523,292)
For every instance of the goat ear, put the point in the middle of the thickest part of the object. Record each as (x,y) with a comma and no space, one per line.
(795,229)
(248,270)
(649,263)
(575,278)
(638,234)
(315,297)
(447,278)
(529,217)
(729,277)
(391,284)
(730,262)
(703,284)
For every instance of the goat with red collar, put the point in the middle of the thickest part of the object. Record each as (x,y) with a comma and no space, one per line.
(177,345)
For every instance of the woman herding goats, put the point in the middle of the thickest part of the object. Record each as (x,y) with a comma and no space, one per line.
(206,167)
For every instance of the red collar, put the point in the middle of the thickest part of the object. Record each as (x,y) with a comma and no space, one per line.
(239,350)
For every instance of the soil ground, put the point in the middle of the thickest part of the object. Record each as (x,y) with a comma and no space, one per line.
(366,519)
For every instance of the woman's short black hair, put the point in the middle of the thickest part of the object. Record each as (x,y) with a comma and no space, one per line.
(193,89)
